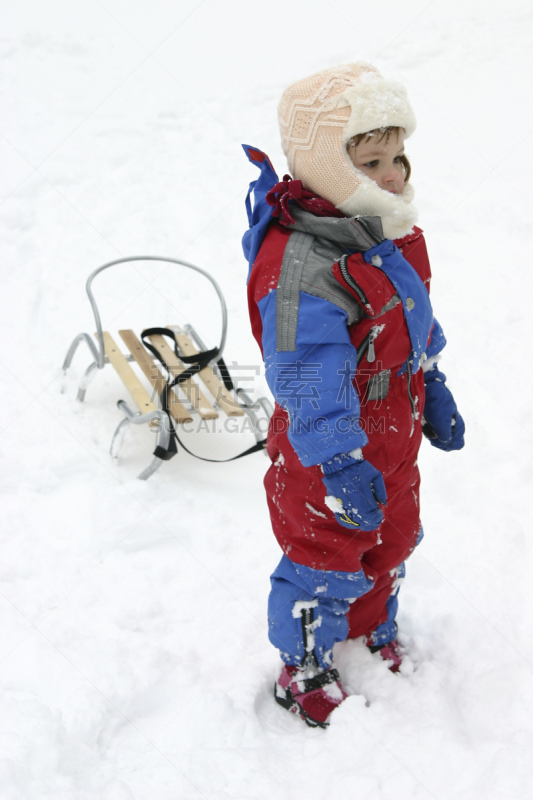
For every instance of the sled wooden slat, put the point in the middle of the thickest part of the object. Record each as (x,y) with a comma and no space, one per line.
(127,375)
(151,370)
(223,397)
(196,397)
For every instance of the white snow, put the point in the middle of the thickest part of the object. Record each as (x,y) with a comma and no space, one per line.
(334,504)
(300,605)
(316,513)
(135,659)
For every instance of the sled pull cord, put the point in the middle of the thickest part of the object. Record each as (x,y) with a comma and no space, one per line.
(197,362)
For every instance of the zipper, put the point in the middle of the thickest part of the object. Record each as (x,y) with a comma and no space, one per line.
(409,392)
(350,281)
(362,223)
(367,345)
(309,661)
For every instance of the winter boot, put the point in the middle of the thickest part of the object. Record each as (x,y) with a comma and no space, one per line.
(389,652)
(313,698)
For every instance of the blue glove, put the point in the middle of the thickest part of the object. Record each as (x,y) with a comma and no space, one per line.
(354,490)
(442,424)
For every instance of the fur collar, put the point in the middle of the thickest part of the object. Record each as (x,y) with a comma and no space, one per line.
(397,213)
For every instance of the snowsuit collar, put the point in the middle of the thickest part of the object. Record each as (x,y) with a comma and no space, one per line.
(348,232)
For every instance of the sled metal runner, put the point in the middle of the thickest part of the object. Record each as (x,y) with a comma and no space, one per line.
(178,410)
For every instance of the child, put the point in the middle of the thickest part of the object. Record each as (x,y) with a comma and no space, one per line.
(339,304)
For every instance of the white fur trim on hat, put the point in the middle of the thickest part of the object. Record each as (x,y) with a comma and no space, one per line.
(377,103)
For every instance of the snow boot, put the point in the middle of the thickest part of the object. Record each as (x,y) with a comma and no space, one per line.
(313,698)
(389,652)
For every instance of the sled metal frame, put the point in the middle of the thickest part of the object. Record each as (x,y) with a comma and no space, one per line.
(156,418)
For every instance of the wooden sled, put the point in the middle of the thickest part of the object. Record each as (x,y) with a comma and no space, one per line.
(204,394)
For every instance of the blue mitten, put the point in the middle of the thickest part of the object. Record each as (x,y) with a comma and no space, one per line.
(355,488)
(442,424)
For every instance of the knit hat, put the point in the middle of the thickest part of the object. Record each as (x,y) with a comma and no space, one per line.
(320,114)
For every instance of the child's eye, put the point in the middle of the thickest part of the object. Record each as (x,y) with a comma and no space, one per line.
(371,164)
(398,160)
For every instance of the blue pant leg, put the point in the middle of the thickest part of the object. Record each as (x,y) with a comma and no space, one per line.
(304,620)
(304,627)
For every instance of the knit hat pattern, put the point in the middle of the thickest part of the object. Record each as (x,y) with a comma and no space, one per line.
(319,115)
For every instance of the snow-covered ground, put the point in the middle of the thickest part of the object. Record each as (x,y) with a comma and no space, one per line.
(135,660)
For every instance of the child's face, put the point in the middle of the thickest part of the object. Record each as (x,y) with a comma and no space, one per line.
(381,160)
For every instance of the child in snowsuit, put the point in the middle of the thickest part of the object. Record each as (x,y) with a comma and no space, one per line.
(339,304)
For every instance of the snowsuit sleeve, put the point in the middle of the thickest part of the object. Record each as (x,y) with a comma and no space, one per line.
(310,361)
(437,340)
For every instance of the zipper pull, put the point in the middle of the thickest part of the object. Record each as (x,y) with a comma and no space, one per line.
(374,332)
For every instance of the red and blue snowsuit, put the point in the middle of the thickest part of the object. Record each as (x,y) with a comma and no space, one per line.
(335,316)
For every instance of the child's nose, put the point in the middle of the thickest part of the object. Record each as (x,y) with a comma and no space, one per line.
(392,174)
